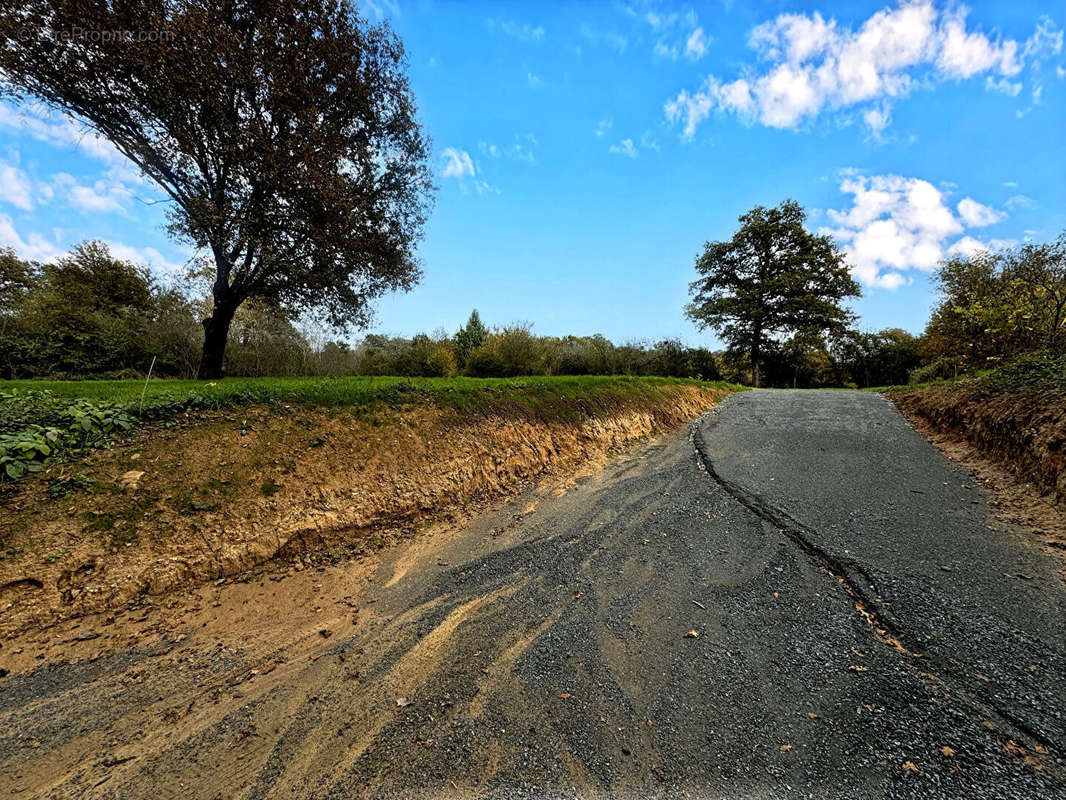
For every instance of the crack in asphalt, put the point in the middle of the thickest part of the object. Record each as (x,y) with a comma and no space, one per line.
(870,606)
(868,603)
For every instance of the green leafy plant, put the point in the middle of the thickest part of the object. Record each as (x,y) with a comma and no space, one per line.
(64,487)
(26,451)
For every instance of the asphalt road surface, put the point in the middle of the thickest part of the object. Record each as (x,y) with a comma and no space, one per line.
(798,596)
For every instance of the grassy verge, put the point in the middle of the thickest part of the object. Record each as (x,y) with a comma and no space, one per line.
(41,421)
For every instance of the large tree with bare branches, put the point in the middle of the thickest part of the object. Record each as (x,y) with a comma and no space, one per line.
(283,133)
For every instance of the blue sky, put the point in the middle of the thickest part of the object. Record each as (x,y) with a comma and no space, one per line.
(585,152)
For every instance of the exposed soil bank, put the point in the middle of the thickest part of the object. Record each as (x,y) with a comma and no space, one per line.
(1024,429)
(172,508)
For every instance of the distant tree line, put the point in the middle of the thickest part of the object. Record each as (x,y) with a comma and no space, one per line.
(90,314)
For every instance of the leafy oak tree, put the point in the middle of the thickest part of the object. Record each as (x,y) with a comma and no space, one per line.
(282,132)
(772,280)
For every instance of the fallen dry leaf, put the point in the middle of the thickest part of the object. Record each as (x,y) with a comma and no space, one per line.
(947,751)
(812,715)
(692,634)
(858,668)
(785,748)
(1014,748)
(910,766)
(565,695)
(402,702)
(129,480)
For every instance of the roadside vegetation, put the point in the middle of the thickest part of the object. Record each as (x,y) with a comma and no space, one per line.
(45,421)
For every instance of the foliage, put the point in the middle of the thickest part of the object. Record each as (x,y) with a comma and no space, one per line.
(470,337)
(90,313)
(886,358)
(937,369)
(773,279)
(509,352)
(1041,368)
(994,305)
(26,451)
(295,160)
(65,487)
(36,426)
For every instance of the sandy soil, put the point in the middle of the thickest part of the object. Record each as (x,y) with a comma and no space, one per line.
(176,507)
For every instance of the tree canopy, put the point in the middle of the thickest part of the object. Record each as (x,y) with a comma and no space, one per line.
(997,304)
(772,280)
(283,132)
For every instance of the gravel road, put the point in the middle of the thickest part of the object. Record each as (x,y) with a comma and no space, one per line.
(797,597)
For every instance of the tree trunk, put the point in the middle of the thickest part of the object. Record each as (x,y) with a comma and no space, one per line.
(755,353)
(216,333)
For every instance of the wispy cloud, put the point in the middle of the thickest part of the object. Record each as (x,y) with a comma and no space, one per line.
(456,163)
(16,188)
(522,31)
(521,149)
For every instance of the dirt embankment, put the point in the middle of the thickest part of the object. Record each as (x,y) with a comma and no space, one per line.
(172,508)
(1023,429)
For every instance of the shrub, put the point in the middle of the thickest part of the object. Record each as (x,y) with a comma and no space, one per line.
(508,353)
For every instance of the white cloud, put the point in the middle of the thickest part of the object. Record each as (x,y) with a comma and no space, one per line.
(33,246)
(1045,42)
(522,31)
(456,164)
(603,126)
(877,118)
(1003,86)
(534,80)
(521,150)
(625,148)
(647,141)
(696,44)
(897,224)
(976,215)
(968,246)
(814,65)
(963,54)
(691,108)
(15,187)
(1019,201)
(147,256)
(47,126)
(104,196)
(664,50)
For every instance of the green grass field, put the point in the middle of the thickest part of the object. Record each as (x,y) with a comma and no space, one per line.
(354,391)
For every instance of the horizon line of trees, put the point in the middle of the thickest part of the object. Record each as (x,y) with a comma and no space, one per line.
(89,314)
